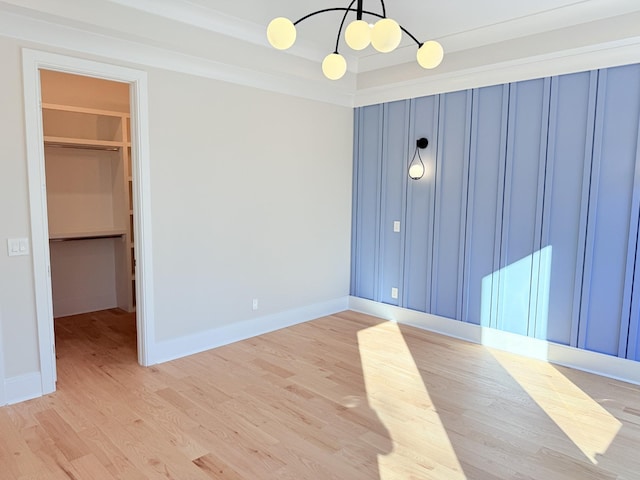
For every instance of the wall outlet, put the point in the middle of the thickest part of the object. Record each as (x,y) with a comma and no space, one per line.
(396,226)
(394,293)
(254,304)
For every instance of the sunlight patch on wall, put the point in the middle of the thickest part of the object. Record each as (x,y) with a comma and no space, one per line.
(587,424)
(397,393)
(516,297)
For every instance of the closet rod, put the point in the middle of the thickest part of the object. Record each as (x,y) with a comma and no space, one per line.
(82,146)
(95,237)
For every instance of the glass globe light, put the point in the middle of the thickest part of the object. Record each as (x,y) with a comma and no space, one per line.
(386,35)
(334,66)
(281,33)
(416,171)
(358,35)
(430,54)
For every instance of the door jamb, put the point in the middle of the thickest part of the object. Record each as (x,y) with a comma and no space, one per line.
(32,62)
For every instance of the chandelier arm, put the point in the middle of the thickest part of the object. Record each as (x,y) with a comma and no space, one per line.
(324,10)
(345,9)
(384,9)
(344,17)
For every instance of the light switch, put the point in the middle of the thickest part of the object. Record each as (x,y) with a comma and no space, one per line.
(17,246)
(396,226)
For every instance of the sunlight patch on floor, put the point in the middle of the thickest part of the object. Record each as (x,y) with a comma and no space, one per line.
(396,392)
(587,424)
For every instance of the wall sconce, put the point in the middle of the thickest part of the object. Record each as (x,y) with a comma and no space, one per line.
(416,167)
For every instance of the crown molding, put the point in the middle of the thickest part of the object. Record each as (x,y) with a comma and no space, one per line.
(215,21)
(607,42)
(606,55)
(48,35)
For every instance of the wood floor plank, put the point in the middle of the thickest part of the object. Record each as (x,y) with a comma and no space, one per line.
(67,440)
(348,396)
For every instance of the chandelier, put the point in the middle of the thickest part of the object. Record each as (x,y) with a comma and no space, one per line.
(385,35)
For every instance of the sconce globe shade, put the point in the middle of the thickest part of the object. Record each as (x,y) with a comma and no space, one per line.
(430,54)
(358,35)
(386,35)
(281,33)
(416,171)
(334,66)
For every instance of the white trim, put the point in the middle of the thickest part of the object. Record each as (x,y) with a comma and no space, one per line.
(365,88)
(39,221)
(23,387)
(141,181)
(84,41)
(3,394)
(207,18)
(181,347)
(598,363)
(33,61)
(610,54)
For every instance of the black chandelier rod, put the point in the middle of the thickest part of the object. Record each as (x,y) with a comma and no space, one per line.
(344,17)
(359,11)
(347,10)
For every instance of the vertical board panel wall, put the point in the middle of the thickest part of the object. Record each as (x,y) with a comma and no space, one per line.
(452,175)
(522,207)
(613,213)
(566,200)
(526,219)
(418,228)
(489,113)
(394,153)
(366,204)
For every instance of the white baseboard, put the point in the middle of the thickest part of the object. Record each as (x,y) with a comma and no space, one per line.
(598,363)
(217,337)
(23,387)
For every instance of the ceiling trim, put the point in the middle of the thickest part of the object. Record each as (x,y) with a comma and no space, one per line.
(394,83)
(621,52)
(565,16)
(215,21)
(48,35)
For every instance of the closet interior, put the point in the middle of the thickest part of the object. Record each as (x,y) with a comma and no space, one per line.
(87,144)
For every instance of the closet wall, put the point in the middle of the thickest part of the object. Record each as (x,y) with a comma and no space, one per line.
(89,205)
(526,219)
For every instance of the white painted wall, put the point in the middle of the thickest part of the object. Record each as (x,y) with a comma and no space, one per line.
(251,196)
(251,193)
(17,301)
(83,276)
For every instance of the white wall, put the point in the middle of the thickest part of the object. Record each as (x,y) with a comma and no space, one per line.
(251,198)
(17,302)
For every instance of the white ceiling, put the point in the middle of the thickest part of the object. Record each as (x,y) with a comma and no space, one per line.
(457,24)
(477,35)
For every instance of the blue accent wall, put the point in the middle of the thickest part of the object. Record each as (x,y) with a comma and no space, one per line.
(527,217)
(418,227)
(450,207)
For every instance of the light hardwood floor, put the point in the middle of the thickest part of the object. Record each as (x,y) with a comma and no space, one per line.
(344,397)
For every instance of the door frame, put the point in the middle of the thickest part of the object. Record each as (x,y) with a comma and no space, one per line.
(3,393)
(32,62)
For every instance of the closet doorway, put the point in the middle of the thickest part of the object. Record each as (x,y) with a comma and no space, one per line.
(88,164)
(89,185)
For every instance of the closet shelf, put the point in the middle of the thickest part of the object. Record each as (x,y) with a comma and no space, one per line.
(91,235)
(84,143)
(91,111)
